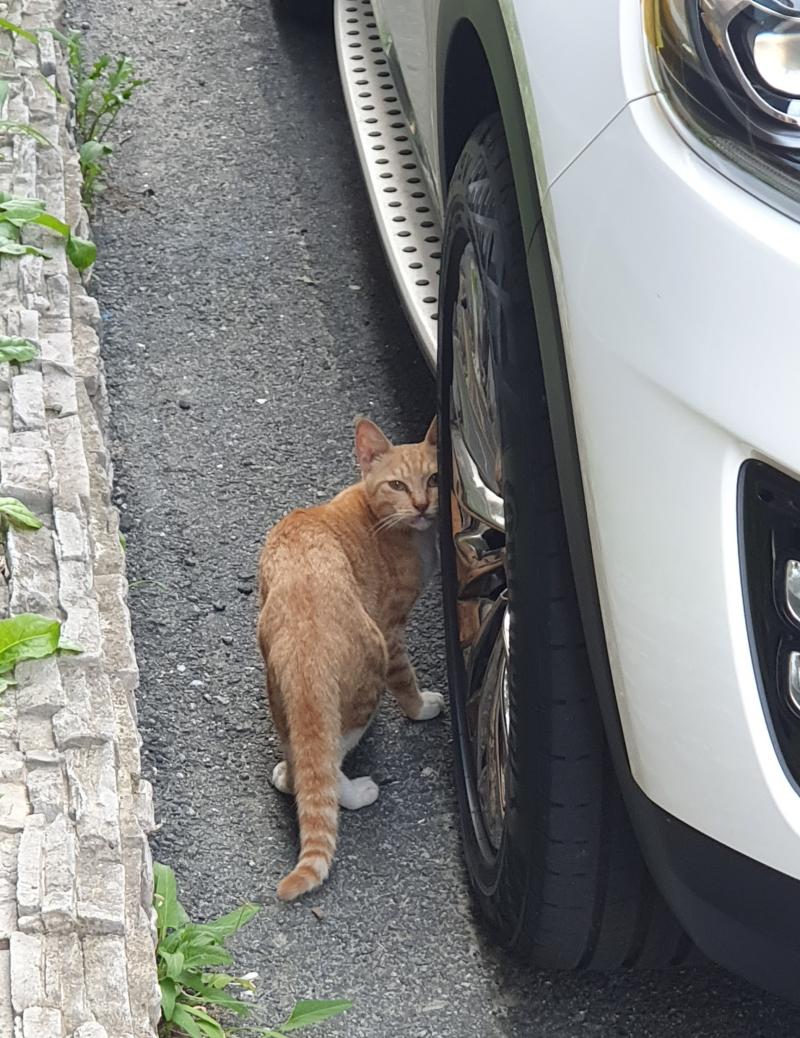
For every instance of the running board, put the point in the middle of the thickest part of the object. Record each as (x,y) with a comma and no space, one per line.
(405,212)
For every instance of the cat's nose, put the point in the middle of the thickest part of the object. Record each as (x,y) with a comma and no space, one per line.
(421,506)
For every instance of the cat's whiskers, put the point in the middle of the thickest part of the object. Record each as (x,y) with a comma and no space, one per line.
(393,519)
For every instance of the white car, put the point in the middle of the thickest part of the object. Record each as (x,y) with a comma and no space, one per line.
(591,213)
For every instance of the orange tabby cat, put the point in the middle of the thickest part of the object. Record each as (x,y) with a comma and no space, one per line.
(337,584)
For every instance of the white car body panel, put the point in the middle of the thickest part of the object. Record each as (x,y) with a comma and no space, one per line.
(564,108)
(675,290)
(677,378)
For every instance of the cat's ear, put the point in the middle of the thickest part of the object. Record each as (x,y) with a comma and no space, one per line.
(432,435)
(370,443)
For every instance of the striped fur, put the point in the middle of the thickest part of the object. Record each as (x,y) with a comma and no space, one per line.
(337,584)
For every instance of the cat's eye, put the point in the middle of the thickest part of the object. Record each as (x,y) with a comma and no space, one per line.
(397,484)
(433,479)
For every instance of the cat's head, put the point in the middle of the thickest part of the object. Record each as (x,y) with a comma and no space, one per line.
(402,482)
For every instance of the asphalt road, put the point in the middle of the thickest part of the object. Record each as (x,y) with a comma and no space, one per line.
(249,316)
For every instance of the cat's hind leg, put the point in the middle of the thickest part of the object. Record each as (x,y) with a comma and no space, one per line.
(359,707)
(282,778)
(357,792)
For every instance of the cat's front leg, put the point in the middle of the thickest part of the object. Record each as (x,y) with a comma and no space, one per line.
(402,683)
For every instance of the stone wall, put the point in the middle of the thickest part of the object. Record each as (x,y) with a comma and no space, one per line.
(76,934)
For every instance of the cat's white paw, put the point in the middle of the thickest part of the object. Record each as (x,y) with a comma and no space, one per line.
(357,792)
(432,705)
(280,778)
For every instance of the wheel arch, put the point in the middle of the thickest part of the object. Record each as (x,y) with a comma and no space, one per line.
(476,75)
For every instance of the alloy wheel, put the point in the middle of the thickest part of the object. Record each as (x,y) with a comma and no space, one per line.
(479,540)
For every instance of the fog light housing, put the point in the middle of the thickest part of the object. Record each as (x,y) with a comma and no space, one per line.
(769,535)
(792,589)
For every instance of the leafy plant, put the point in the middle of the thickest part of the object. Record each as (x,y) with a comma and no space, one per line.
(16,350)
(101,92)
(18,515)
(28,636)
(17,30)
(17,213)
(93,157)
(192,990)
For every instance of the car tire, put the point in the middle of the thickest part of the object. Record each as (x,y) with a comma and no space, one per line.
(555,867)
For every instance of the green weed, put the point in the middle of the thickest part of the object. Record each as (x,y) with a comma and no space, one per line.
(17,213)
(193,989)
(15,513)
(28,636)
(102,90)
(16,350)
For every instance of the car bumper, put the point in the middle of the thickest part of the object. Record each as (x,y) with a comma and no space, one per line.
(675,288)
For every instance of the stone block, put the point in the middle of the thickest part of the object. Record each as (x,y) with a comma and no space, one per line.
(30,273)
(34,733)
(26,474)
(24,184)
(108,555)
(47,55)
(86,312)
(47,791)
(105,965)
(90,1030)
(27,971)
(9,844)
(101,895)
(75,584)
(60,875)
(82,628)
(71,472)
(23,324)
(71,536)
(27,439)
(39,687)
(57,349)
(38,1022)
(6,1011)
(88,719)
(94,443)
(64,980)
(118,648)
(145,997)
(58,290)
(12,766)
(27,400)
(93,795)
(60,398)
(29,866)
(34,572)
(14,807)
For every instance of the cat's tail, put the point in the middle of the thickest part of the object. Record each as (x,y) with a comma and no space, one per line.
(311,701)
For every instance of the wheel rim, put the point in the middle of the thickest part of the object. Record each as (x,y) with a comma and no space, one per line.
(478,520)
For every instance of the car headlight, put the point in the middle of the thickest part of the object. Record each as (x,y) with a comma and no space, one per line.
(732,71)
